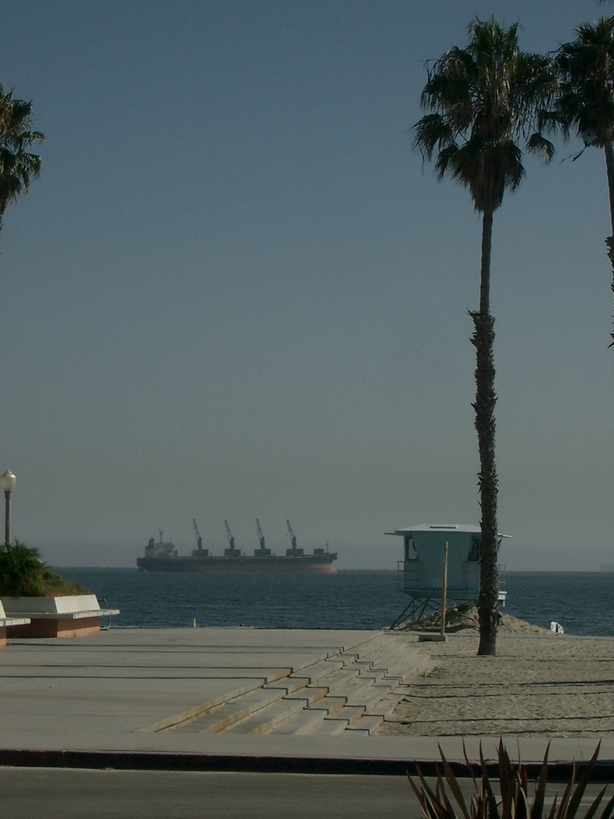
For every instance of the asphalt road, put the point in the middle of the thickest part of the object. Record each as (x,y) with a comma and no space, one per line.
(51,793)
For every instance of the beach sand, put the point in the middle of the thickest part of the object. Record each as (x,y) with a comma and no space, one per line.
(539,684)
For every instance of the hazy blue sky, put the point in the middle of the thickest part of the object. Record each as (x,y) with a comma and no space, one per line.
(236,293)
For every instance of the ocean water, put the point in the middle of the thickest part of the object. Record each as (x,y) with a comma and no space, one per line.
(582,602)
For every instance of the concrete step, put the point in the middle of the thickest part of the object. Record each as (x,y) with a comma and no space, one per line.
(395,656)
(320,698)
(353,712)
(338,723)
(341,692)
(329,706)
(408,666)
(371,697)
(363,690)
(289,685)
(370,701)
(310,720)
(333,682)
(324,668)
(175,722)
(378,682)
(310,695)
(367,652)
(371,719)
(220,718)
(268,718)
(399,664)
(253,713)
(362,686)
(305,722)
(366,724)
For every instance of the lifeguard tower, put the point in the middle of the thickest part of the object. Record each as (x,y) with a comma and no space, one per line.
(420,573)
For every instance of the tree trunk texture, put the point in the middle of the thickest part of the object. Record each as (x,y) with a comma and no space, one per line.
(609,163)
(485,400)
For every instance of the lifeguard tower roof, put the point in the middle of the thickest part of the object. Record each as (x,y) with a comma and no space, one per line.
(441,527)
(437,527)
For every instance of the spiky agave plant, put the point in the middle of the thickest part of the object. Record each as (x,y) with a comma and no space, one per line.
(446,800)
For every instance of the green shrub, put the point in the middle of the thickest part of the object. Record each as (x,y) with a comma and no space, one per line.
(446,800)
(23,574)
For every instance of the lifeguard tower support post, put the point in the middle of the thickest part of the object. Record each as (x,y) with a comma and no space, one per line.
(420,572)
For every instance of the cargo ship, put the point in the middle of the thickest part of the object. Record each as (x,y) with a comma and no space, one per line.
(163,557)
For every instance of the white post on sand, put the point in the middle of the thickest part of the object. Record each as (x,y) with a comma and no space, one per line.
(444,587)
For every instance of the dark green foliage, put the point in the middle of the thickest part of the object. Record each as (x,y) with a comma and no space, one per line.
(509,797)
(23,574)
(586,96)
(17,165)
(484,99)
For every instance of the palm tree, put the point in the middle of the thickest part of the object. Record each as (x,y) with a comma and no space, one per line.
(586,99)
(18,167)
(485,99)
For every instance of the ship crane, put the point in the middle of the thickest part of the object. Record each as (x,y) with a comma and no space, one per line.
(291,533)
(231,540)
(199,540)
(260,535)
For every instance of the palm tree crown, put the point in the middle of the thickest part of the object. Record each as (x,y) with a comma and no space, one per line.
(586,98)
(17,165)
(485,98)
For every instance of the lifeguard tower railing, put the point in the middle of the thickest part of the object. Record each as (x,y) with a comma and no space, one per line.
(420,574)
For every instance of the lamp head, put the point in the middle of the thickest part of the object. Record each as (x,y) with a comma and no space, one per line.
(8,481)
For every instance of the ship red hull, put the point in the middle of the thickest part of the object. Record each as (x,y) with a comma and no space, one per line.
(307,564)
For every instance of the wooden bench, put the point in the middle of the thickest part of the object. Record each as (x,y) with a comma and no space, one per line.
(75,616)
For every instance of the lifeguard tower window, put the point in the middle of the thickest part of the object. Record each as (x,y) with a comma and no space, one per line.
(410,549)
(474,551)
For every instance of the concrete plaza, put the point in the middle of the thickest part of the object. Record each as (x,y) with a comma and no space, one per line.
(223,699)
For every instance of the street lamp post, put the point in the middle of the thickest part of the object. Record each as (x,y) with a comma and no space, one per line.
(7,482)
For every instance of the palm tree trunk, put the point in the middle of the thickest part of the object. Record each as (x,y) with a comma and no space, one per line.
(485,400)
(609,163)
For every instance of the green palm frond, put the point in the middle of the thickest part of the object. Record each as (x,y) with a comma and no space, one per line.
(432,132)
(484,100)
(586,67)
(538,144)
(18,166)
